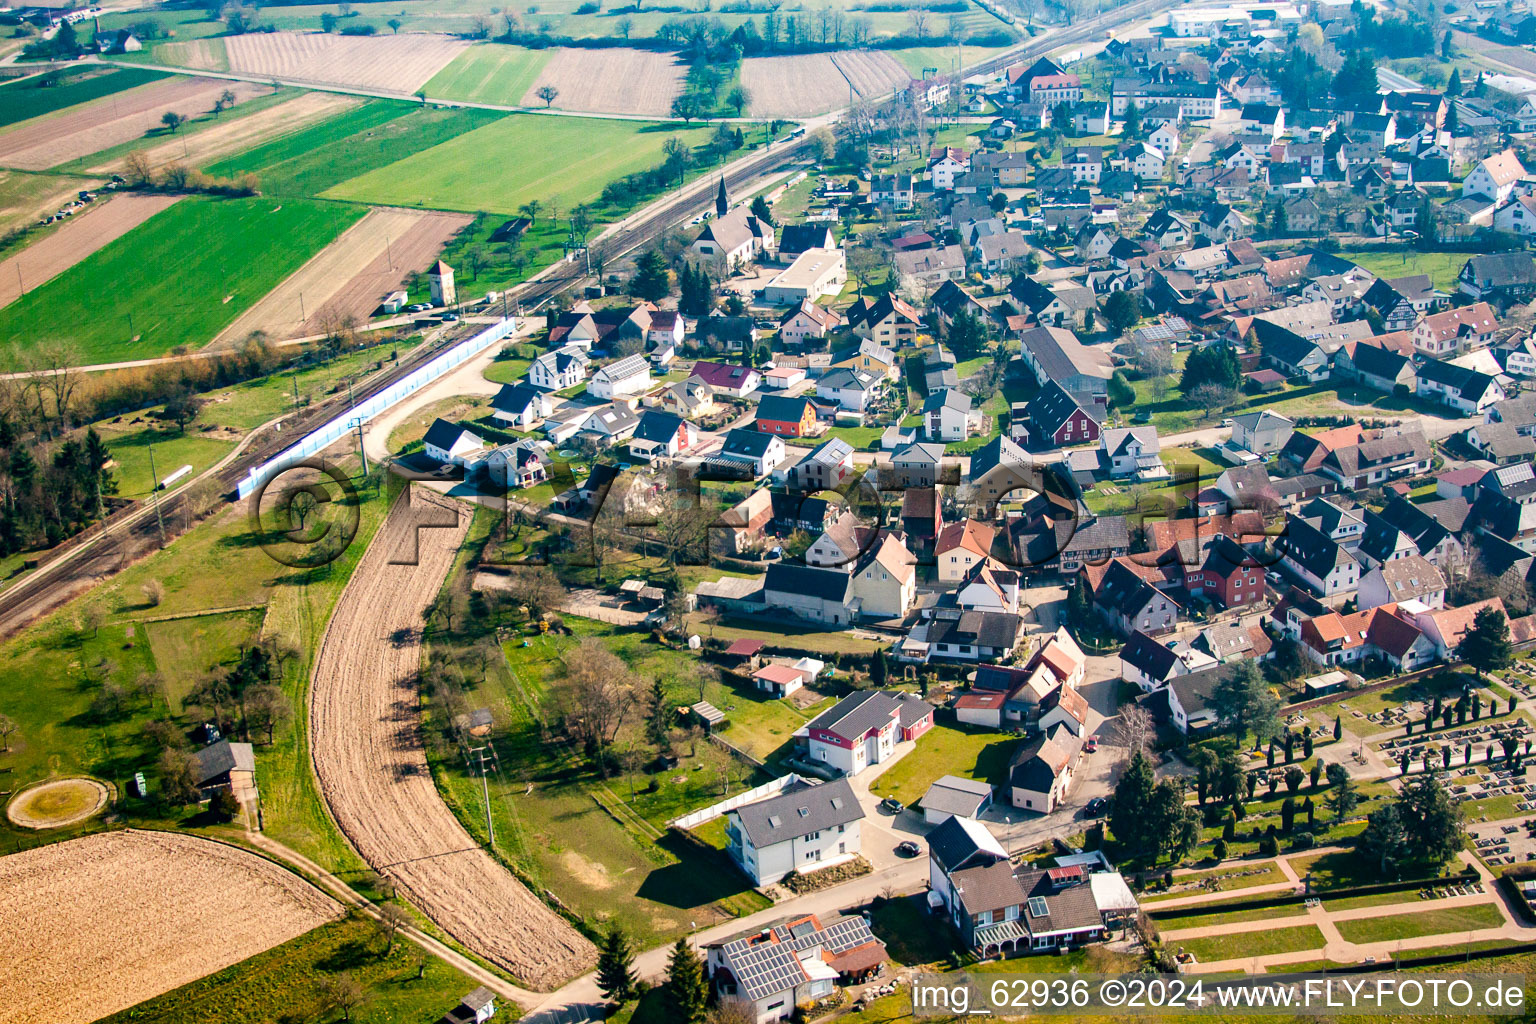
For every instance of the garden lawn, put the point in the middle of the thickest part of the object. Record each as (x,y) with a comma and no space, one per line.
(571,158)
(355,142)
(45,94)
(818,643)
(186,648)
(1260,942)
(946,750)
(1422,922)
(178,279)
(1442,267)
(282,983)
(1177,924)
(489,73)
(1225,880)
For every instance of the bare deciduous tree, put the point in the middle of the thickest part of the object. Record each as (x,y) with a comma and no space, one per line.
(7,727)
(341,992)
(392,917)
(598,691)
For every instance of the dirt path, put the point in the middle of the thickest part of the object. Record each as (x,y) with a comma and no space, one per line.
(350,276)
(94,925)
(373,771)
(235,133)
(80,236)
(55,139)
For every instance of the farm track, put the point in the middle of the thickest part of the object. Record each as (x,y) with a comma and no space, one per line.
(128,535)
(368,755)
(618,81)
(54,139)
(98,924)
(80,236)
(387,243)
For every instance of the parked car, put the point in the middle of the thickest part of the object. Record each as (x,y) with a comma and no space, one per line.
(891,805)
(908,849)
(450,318)
(1095,807)
(1091,743)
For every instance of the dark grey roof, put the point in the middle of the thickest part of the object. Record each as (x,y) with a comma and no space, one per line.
(1038,762)
(858,713)
(751,443)
(1312,549)
(1151,658)
(1124,592)
(799,811)
(515,398)
(442,434)
(1427,529)
(781,407)
(1378,361)
(766,962)
(1194,689)
(788,578)
(980,629)
(1469,384)
(216,759)
(955,795)
(657,426)
(952,843)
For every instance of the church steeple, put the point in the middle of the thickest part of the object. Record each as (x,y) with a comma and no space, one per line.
(722,204)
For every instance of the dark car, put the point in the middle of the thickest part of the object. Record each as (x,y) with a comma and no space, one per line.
(891,806)
(908,849)
(1095,807)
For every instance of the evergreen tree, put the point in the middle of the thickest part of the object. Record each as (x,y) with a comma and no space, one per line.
(878,670)
(686,992)
(761,210)
(1431,820)
(651,281)
(615,967)
(1338,727)
(1121,395)
(1454,87)
(1132,120)
(1486,646)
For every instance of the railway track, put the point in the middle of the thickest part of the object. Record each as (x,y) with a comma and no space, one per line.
(132,532)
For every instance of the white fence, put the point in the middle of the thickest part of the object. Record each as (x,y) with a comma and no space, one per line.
(751,796)
(337,428)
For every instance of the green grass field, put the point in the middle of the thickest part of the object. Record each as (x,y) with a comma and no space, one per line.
(130,450)
(1425,921)
(1176,924)
(374,135)
(1442,267)
(1255,943)
(571,158)
(177,279)
(946,750)
(185,647)
(284,982)
(34,97)
(492,73)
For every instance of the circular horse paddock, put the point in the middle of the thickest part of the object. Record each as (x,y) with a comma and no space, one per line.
(57,803)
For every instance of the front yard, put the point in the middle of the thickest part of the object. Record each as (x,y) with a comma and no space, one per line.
(946,749)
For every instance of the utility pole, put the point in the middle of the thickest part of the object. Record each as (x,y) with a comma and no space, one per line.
(357,424)
(154,494)
(485,791)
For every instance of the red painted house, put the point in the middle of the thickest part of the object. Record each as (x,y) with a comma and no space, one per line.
(1229,576)
(1057,420)
(787,417)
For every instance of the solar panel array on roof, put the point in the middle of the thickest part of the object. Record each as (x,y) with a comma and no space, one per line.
(1156,332)
(765,968)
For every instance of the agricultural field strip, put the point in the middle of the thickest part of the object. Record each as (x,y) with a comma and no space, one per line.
(115,918)
(80,236)
(814,83)
(618,80)
(27,198)
(293,307)
(54,139)
(373,770)
(30,97)
(398,64)
(237,134)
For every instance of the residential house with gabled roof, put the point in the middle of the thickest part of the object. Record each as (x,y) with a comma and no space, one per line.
(801,829)
(1128,602)
(1060,304)
(799,960)
(807,321)
(1498,277)
(1311,555)
(1263,432)
(1456,330)
(622,378)
(728,378)
(662,435)
(749,450)
(795,239)
(1434,536)
(1233,641)
(953,634)
(1446,627)
(1042,770)
(785,416)
(868,356)
(887,320)
(1494,177)
(1378,460)
(448,442)
(1333,639)
(851,390)
(1401,580)
(1168,229)
(963,546)
(1459,388)
(1307,451)
(1376,367)
(929,268)
(1221,222)
(1133,452)
(913,466)
(884,581)
(951,299)
(1056,419)
(864,728)
(948,415)
(520,406)
(825,468)
(1152,664)
(1052,353)
(565,367)
(1228,577)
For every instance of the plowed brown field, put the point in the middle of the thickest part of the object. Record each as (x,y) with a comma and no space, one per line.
(94,925)
(54,139)
(386,63)
(368,756)
(813,83)
(236,134)
(612,81)
(387,244)
(80,236)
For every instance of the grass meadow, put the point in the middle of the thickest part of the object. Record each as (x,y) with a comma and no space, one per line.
(372,136)
(177,279)
(35,97)
(489,74)
(518,158)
